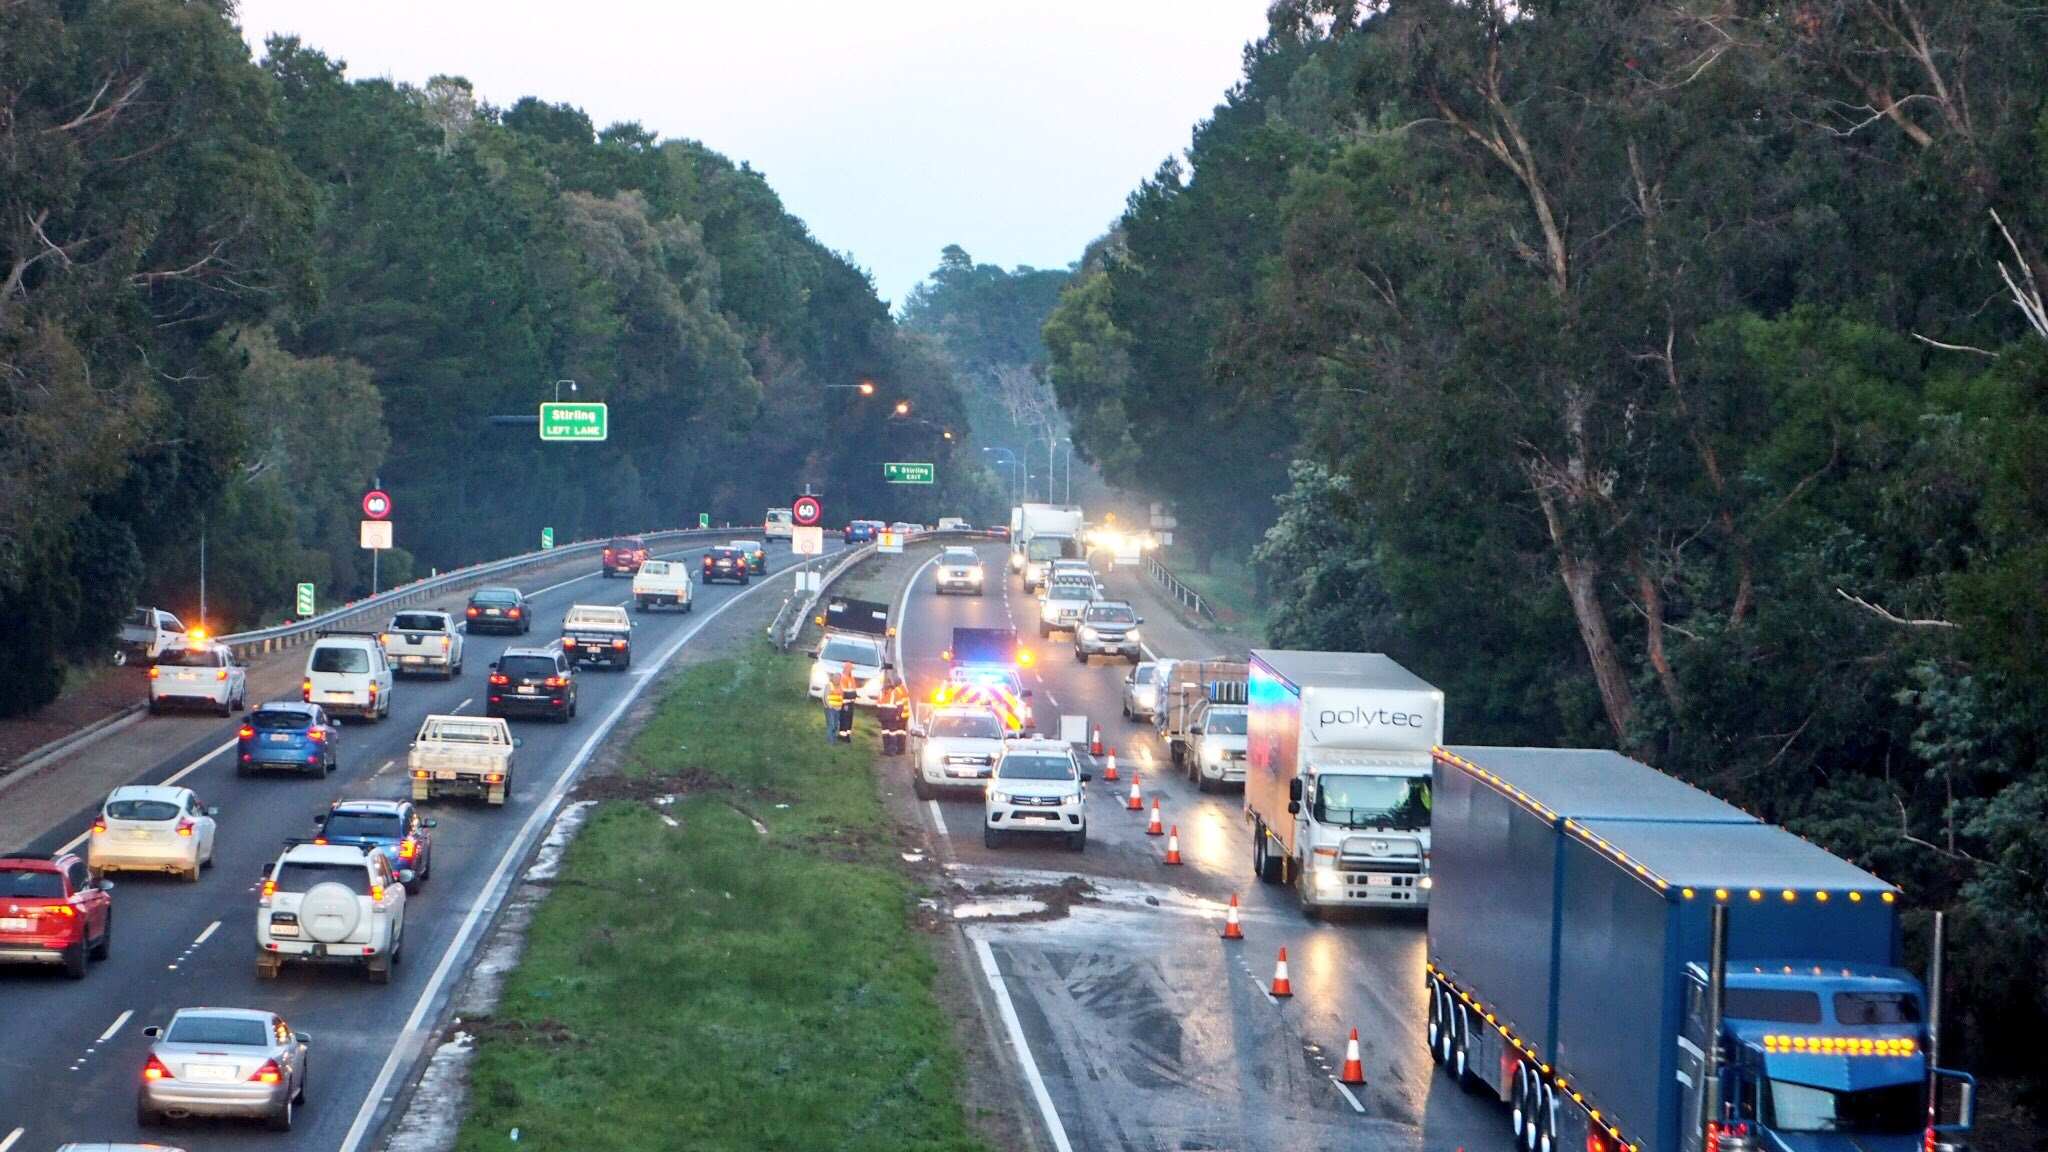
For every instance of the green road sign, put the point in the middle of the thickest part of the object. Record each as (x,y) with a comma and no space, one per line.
(305,600)
(547,539)
(901,473)
(579,422)
(703,519)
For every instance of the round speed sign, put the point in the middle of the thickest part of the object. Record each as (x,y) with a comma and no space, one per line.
(376,504)
(807,511)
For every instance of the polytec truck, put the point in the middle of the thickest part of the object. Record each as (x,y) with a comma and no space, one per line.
(1045,533)
(1337,777)
(1622,958)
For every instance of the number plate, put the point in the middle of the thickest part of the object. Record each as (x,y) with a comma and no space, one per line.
(444,774)
(593,647)
(410,659)
(490,611)
(527,689)
(281,930)
(141,834)
(1378,880)
(279,737)
(344,697)
(13,923)
(210,1073)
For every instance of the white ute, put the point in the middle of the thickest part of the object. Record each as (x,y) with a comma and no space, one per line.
(462,756)
(954,747)
(662,583)
(332,903)
(1036,790)
(420,641)
(1065,599)
(598,634)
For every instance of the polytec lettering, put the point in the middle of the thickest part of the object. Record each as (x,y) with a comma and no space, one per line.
(1364,718)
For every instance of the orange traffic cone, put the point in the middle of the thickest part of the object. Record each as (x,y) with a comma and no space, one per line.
(1137,803)
(1095,742)
(1173,845)
(1281,988)
(1230,929)
(1109,773)
(1354,1068)
(1155,828)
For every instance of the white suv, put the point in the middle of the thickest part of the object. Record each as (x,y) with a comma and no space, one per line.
(955,747)
(332,903)
(1036,790)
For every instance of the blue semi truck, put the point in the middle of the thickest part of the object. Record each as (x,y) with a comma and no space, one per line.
(1578,969)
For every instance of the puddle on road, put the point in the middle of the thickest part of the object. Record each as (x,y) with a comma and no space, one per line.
(1001,908)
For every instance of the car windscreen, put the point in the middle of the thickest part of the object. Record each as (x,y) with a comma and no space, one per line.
(745,545)
(494,596)
(527,667)
(142,810)
(1223,723)
(962,557)
(238,1031)
(982,727)
(655,568)
(303,875)
(1113,614)
(1876,1008)
(32,884)
(279,719)
(139,619)
(840,651)
(1036,768)
(628,543)
(189,658)
(341,658)
(1773,1005)
(419,622)
(1046,548)
(725,554)
(364,825)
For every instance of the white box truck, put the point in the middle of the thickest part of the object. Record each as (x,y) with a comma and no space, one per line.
(1047,533)
(1337,780)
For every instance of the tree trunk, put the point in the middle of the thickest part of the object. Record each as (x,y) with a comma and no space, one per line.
(1581,585)
(1653,612)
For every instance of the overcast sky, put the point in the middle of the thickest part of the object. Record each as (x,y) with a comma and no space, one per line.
(892,127)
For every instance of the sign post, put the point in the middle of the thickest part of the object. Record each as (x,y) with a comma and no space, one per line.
(902,472)
(547,539)
(303,603)
(576,422)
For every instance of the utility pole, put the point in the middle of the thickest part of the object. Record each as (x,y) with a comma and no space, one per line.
(202,573)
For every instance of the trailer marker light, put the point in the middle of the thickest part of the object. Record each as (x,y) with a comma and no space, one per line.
(1756,894)
(1821,896)
(1720,894)
(1855,897)
(1686,892)
(1889,897)
(1789,895)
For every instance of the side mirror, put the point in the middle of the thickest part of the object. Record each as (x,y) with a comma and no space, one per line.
(431,822)
(153,1033)
(1027,693)
(917,730)
(1293,788)
(212,811)
(1197,731)
(105,885)
(303,1037)
(1294,807)
(518,743)
(494,665)
(1087,776)
(1141,619)
(320,819)
(407,876)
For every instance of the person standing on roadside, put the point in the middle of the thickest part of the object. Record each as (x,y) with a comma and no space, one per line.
(836,701)
(893,710)
(845,687)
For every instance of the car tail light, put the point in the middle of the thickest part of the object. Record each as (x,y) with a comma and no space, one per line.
(185,828)
(306,689)
(154,1070)
(99,827)
(499,678)
(444,643)
(471,612)
(155,672)
(270,1073)
(568,642)
(513,613)
(556,682)
(607,553)
(619,644)
(384,638)
(494,778)
(407,849)
(244,732)
(64,910)
(317,735)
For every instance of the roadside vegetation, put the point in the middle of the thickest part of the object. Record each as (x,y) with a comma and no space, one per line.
(710,985)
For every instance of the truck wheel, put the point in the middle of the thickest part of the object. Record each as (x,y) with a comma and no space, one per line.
(1078,841)
(1435,1035)
(990,838)
(1264,866)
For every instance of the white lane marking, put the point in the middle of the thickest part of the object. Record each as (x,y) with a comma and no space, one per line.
(411,1035)
(1050,698)
(903,611)
(1015,1027)
(174,777)
(111,1029)
(1355,1105)
(210,930)
(461,706)
(11,1138)
(386,767)
(938,817)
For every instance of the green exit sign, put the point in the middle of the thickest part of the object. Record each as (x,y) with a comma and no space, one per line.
(576,421)
(902,473)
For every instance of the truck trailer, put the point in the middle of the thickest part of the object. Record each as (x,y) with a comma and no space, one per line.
(1573,970)
(1337,777)
(1046,532)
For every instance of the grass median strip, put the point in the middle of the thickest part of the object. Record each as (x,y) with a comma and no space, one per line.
(705,985)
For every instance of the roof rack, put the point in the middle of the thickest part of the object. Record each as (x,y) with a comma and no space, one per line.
(324,842)
(344,632)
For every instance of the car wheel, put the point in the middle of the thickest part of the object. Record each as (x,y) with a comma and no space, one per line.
(990,838)
(74,961)
(145,1116)
(192,874)
(281,1120)
(922,790)
(305,1074)
(1078,842)
(1080,657)
(105,946)
(226,708)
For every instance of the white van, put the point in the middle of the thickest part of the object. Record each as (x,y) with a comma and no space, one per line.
(780,524)
(348,674)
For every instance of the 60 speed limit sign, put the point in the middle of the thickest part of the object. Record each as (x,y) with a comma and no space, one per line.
(376,504)
(807,511)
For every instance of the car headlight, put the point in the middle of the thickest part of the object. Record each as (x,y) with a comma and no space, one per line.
(1070,800)
(1088,633)
(1133,636)
(1212,754)
(1001,797)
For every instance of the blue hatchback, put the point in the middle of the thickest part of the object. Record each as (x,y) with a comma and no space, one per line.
(286,734)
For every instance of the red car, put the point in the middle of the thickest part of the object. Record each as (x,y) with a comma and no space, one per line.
(624,555)
(51,912)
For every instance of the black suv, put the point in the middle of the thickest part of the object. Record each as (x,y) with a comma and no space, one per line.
(727,564)
(624,555)
(498,610)
(532,682)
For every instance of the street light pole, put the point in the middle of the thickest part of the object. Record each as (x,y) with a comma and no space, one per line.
(558,389)
(1067,484)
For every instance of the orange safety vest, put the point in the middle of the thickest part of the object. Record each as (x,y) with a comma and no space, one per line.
(843,688)
(895,696)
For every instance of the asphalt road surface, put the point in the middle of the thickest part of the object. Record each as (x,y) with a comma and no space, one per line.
(1146,1030)
(71,1052)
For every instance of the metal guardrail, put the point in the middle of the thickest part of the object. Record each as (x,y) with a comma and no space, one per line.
(1188,597)
(788,627)
(266,640)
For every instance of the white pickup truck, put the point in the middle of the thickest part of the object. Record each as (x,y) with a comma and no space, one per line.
(598,634)
(419,641)
(145,634)
(661,582)
(1064,601)
(462,756)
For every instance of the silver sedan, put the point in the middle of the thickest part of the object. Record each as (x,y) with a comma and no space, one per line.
(223,1062)
(1141,691)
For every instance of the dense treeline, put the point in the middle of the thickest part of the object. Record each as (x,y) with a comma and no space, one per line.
(233,293)
(1665,374)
